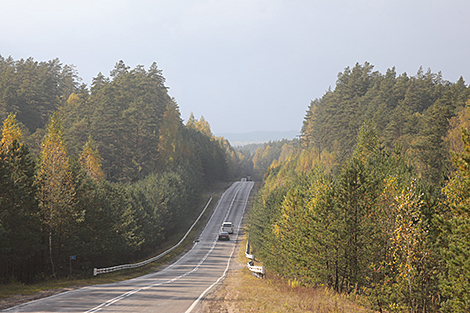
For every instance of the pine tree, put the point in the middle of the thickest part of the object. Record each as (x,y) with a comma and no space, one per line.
(456,233)
(20,223)
(19,215)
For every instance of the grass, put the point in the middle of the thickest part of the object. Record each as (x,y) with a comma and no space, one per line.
(240,291)
(14,289)
(243,292)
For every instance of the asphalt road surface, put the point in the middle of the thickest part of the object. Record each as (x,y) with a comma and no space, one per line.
(177,288)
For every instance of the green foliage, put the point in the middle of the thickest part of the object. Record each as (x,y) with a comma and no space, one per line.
(34,90)
(103,223)
(170,145)
(455,285)
(410,112)
(269,152)
(207,151)
(357,206)
(455,235)
(20,222)
(345,230)
(116,198)
(55,181)
(124,116)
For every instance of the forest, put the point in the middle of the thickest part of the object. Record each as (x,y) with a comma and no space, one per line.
(374,199)
(106,174)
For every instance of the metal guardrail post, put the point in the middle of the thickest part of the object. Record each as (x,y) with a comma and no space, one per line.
(258,271)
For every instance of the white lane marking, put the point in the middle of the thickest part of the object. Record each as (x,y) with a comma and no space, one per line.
(131,292)
(228,262)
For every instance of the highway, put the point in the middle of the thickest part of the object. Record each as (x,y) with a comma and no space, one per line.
(177,288)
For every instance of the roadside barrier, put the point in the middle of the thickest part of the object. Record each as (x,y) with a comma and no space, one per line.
(97,271)
(258,271)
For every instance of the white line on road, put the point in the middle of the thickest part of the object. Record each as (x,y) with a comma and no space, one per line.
(131,292)
(228,262)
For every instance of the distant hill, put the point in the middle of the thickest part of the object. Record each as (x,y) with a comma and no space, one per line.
(241,139)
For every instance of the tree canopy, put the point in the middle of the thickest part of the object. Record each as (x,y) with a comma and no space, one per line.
(371,202)
(112,171)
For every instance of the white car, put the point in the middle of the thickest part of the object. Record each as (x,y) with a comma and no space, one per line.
(227,227)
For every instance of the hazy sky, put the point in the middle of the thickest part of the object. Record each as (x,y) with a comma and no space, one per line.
(245,65)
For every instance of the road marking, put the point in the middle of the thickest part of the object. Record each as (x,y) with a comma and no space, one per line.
(131,292)
(228,262)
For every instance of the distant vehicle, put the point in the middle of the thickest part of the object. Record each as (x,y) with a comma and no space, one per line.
(227,227)
(248,178)
(224,236)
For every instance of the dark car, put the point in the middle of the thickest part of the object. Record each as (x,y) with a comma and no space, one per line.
(224,236)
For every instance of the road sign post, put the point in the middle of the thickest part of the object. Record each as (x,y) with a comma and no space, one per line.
(72,257)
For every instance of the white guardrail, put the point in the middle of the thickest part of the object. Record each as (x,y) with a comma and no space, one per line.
(97,271)
(258,271)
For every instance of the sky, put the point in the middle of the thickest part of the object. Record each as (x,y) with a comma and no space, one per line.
(245,65)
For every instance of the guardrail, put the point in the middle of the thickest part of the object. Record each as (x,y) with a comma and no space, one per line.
(247,251)
(258,271)
(97,271)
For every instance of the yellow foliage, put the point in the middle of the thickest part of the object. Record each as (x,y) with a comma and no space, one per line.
(91,161)
(170,145)
(456,123)
(73,99)
(10,132)
(204,127)
(457,190)
(407,242)
(286,152)
(55,180)
(54,174)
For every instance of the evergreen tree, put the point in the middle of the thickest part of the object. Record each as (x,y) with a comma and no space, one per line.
(20,224)
(456,234)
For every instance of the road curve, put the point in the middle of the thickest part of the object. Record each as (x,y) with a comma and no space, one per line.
(177,288)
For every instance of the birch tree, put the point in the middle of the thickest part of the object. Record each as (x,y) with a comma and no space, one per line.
(10,132)
(170,144)
(55,181)
(91,160)
(409,254)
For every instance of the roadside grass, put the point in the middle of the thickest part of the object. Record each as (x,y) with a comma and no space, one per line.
(52,286)
(274,294)
(243,292)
